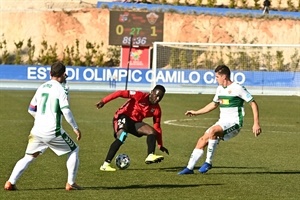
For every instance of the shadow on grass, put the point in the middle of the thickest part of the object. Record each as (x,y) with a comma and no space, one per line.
(156,186)
(174,169)
(264,170)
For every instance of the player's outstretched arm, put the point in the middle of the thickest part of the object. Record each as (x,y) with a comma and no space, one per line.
(209,107)
(112,96)
(256,129)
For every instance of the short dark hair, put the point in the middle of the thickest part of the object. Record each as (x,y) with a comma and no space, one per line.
(223,69)
(57,69)
(160,87)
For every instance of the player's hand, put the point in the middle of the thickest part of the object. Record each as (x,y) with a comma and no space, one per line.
(190,113)
(164,149)
(100,104)
(78,133)
(256,130)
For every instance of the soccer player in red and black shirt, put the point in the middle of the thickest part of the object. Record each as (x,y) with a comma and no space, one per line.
(129,119)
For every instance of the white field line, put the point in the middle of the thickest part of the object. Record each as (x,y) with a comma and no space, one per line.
(181,122)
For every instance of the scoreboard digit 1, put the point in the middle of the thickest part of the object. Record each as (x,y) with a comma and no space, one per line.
(145,27)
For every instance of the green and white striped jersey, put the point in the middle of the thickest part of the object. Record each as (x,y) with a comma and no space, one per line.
(49,99)
(231,102)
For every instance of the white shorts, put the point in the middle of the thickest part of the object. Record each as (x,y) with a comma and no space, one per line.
(230,129)
(60,145)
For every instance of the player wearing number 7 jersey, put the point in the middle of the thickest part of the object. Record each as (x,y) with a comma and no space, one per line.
(47,106)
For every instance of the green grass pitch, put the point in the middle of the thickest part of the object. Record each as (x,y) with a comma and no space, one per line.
(245,167)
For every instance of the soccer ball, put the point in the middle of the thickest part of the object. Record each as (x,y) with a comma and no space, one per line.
(122,161)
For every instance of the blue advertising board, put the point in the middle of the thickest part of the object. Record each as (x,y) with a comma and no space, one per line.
(144,76)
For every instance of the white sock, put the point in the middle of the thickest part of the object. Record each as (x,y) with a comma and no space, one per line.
(105,164)
(195,156)
(19,168)
(211,147)
(72,165)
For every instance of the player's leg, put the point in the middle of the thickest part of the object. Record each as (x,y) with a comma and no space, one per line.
(120,132)
(143,128)
(209,140)
(223,131)
(34,148)
(212,134)
(72,166)
(196,155)
(113,149)
(62,145)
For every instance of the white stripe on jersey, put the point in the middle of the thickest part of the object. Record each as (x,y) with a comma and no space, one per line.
(49,98)
(231,101)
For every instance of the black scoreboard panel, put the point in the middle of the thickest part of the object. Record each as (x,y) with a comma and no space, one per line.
(144,27)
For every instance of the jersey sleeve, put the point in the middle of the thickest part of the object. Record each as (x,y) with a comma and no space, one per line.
(65,108)
(244,94)
(63,99)
(33,103)
(114,95)
(70,118)
(216,97)
(32,108)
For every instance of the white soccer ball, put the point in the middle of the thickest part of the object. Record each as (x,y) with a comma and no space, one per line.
(122,161)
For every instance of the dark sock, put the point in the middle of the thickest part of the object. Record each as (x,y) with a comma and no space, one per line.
(114,147)
(151,142)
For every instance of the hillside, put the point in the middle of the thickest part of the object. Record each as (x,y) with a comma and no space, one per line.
(85,23)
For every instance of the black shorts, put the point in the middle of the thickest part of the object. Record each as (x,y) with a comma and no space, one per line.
(127,124)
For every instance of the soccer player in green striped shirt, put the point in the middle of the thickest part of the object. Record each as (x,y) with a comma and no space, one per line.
(48,105)
(230,97)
